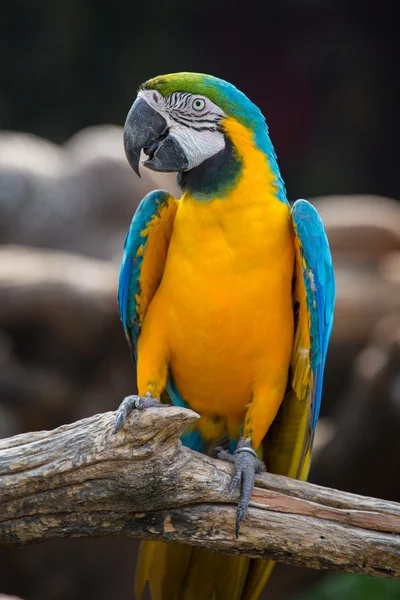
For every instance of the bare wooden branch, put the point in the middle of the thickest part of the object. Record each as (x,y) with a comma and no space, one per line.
(80,480)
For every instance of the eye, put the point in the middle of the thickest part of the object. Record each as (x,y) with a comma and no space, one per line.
(199,104)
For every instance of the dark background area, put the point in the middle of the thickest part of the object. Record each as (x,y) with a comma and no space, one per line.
(325,74)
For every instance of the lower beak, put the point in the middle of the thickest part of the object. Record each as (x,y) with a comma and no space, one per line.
(145,129)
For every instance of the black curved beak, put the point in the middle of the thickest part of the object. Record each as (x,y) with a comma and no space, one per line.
(145,129)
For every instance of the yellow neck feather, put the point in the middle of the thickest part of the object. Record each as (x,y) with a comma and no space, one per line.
(257,181)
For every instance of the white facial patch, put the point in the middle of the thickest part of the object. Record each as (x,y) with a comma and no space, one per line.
(192,121)
(198,145)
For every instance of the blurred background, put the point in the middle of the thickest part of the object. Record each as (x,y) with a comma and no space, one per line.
(323,73)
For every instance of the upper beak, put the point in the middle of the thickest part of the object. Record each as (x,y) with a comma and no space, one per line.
(145,129)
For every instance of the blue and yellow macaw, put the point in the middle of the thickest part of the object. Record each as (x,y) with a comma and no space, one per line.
(226,298)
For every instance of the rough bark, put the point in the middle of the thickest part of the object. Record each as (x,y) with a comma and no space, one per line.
(81,480)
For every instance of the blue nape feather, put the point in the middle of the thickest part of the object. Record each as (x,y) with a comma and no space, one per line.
(246,112)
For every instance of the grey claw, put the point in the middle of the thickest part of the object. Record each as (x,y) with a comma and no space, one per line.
(131,403)
(239,518)
(222,454)
(119,422)
(217,452)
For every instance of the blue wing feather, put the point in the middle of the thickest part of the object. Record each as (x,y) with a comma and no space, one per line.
(129,277)
(123,288)
(320,287)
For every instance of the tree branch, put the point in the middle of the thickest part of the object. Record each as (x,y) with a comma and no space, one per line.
(80,480)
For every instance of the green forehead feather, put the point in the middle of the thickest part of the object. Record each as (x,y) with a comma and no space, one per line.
(183,82)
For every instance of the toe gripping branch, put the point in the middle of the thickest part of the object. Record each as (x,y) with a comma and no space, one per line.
(246,465)
(131,403)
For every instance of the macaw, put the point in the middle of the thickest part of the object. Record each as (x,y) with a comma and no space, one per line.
(226,297)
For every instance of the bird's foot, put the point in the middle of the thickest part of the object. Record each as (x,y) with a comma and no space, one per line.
(131,403)
(246,464)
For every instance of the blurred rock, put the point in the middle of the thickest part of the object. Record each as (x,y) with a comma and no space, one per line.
(324,433)
(363,298)
(363,228)
(79,197)
(364,235)
(389,267)
(364,454)
(63,354)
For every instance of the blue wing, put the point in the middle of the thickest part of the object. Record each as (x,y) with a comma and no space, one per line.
(142,268)
(315,260)
(143,262)
(289,441)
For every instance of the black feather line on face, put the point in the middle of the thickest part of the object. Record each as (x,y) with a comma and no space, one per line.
(178,99)
(193,120)
(192,124)
(181,102)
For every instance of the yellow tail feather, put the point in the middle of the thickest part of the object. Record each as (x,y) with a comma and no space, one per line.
(257,578)
(143,566)
(180,572)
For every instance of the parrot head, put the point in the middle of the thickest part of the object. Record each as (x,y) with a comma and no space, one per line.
(192,123)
